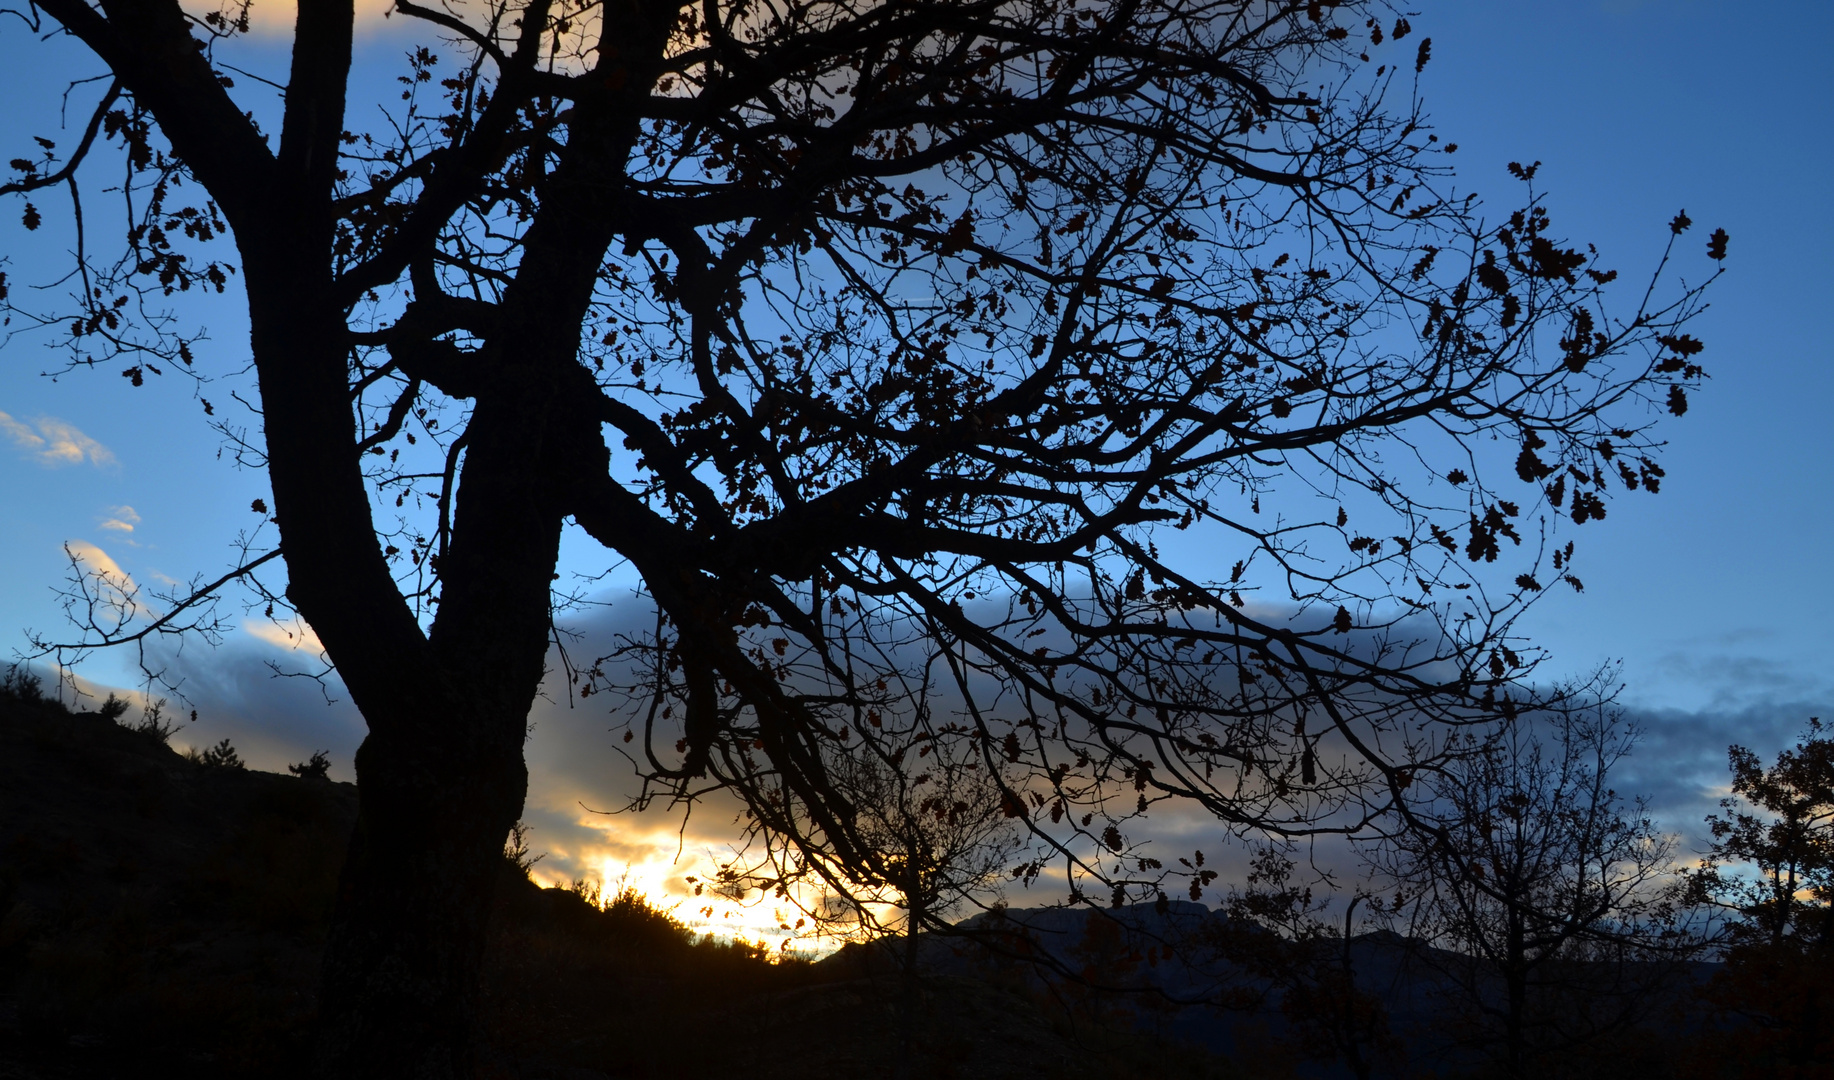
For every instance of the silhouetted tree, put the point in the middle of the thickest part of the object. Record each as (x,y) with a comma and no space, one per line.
(1283,935)
(1771,865)
(1552,893)
(220,756)
(936,823)
(1047,332)
(936,827)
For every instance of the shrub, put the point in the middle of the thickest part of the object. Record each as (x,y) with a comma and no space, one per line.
(152,723)
(220,756)
(316,767)
(516,850)
(22,685)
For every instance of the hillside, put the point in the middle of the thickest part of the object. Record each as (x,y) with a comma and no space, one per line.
(156,911)
(160,917)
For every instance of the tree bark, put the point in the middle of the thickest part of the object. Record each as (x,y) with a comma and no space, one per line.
(1515,976)
(440,775)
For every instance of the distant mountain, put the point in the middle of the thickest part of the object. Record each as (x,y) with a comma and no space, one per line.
(1187,974)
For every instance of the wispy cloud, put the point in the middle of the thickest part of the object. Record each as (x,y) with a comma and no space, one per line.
(112,586)
(54,443)
(97,561)
(291,635)
(121,519)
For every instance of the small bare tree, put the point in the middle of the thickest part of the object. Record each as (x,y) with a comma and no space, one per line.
(1281,932)
(1554,893)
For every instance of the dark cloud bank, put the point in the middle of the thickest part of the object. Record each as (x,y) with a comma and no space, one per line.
(577,765)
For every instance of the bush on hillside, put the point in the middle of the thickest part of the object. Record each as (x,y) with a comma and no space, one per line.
(316,767)
(21,686)
(220,756)
(152,723)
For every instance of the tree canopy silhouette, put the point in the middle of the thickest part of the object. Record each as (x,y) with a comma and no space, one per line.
(1130,369)
(1771,866)
(1552,892)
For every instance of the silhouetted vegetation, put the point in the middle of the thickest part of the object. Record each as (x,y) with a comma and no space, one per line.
(21,687)
(885,342)
(1771,867)
(160,917)
(220,756)
(1555,892)
(1284,935)
(316,767)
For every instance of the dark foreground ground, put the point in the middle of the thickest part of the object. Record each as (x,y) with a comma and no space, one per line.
(162,918)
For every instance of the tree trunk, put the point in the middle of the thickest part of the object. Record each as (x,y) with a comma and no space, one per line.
(399,990)
(1515,977)
(440,776)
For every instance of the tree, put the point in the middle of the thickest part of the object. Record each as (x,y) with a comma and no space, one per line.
(1779,822)
(1276,932)
(846,326)
(1552,891)
(937,825)
(1771,864)
(316,767)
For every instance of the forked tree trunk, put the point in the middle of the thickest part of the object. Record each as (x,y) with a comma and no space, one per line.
(440,776)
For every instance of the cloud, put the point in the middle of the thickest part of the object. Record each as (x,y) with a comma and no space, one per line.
(293,635)
(275,18)
(1724,679)
(121,519)
(236,692)
(1680,764)
(113,587)
(55,442)
(97,560)
(577,772)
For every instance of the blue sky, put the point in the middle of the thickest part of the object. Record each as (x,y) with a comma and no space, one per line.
(1713,592)
(1713,595)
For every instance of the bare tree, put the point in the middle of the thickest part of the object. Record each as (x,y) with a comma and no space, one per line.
(1140,356)
(938,828)
(1554,896)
